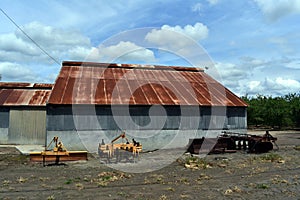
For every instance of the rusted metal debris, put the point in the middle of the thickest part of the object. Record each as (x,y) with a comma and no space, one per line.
(229,142)
(123,84)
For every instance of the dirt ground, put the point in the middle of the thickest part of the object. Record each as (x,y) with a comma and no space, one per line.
(274,175)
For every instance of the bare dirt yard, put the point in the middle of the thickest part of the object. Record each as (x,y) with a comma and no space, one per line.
(273,175)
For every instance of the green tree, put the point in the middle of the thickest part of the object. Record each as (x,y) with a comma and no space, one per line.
(274,111)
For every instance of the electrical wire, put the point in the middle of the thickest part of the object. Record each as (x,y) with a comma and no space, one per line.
(34,42)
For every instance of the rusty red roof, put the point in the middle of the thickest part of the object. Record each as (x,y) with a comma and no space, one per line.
(123,84)
(19,85)
(24,94)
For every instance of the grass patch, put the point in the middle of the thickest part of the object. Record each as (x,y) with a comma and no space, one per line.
(171,189)
(69,181)
(51,197)
(21,179)
(79,186)
(6,182)
(106,177)
(192,162)
(262,186)
(297,148)
(273,157)
(163,197)
(235,189)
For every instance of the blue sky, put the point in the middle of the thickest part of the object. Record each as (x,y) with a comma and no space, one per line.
(253,44)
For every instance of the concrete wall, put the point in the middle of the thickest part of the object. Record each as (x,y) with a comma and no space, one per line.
(22,125)
(84,127)
(151,140)
(4,124)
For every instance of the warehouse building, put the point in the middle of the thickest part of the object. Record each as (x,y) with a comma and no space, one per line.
(23,112)
(157,105)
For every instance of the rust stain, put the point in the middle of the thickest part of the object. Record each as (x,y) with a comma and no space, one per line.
(4,94)
(24,94)
(14,85)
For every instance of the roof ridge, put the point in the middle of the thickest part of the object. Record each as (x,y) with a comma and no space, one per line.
(25,85)
(131,66)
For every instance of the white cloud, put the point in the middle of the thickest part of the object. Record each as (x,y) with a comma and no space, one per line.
(11,43)
(123,51)
(254,85)
(59,43)
(232,76)
(288,83)
(196,7)
(79,53)
(274,10)
(168,36)
(230,71)
(15,72)
(275,86)
(250,62)
(283,44)
(52,38)
(213,2)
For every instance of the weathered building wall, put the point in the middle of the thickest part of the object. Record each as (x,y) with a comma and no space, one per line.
(158,105)
(4,124)
(27,125)
(92,124)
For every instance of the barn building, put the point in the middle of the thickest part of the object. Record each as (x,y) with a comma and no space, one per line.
(157,105)
(23,112)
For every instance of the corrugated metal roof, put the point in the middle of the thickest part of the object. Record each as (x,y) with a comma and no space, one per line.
(24,94)
(119,84)
(13,85)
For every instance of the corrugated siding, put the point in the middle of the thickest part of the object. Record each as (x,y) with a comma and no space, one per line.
(4,117)
(63,118)
(27,126)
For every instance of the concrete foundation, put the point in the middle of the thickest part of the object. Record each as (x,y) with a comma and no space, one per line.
(151,140)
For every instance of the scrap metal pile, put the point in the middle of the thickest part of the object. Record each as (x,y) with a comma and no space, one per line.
(229,142)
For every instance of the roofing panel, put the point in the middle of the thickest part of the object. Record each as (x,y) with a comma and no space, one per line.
(105,84)
(109,88)
(59,88)
(68,91)
(14,85)
(138,96)
(100,96)
(4,94)
(24,97)
(24,94)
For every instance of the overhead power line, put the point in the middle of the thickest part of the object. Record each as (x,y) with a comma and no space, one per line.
(34,42)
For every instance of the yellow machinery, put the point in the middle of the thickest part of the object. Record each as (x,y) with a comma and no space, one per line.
(58,146)
(57,153)
(119,151)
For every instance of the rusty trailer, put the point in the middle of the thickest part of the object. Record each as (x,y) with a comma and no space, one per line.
(230,142)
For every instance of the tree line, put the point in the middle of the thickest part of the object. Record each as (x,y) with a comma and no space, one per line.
(275,112)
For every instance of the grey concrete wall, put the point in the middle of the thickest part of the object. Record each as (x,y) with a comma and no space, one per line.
(4,124)
(27,125)
(3,135)
(96,118)
(85,127)
(151,140)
